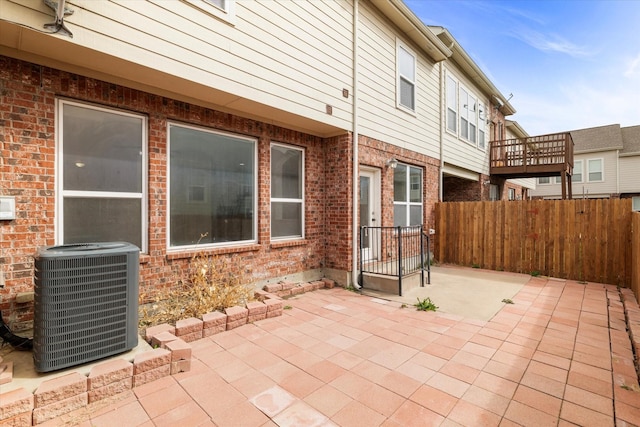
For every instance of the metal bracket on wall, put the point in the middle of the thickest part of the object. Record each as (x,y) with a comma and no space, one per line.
(60,12)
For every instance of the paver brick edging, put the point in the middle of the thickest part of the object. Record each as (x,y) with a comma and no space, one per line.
(172,355)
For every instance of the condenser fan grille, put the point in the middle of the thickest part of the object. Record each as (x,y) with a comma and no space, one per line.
(85,304)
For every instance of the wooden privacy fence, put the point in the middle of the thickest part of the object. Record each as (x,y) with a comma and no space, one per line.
(584,240)
(635,254)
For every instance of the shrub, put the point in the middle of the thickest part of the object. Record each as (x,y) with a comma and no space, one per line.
(211,283)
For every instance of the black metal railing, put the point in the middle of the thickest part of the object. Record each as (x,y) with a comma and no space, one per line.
(395,252)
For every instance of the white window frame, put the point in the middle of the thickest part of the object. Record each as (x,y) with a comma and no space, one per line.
(408,203)
(62,193)
(547,178)
(463,109)
(288,200)
(236,243)
(226,13)
(512,193)
(451,92)
(482,126)
(400,76)
(575,166)
(589,161)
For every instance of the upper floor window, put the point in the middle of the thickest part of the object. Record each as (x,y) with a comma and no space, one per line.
(223,9)
(577,171)
(452,104)
(287,192)
(101,175)
(472,109)
(464,114)
(212,187)
(544,180)
(407,195)
(482,117)
(406,70)
(595,170)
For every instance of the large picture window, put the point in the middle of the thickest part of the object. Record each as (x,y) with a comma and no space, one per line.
(287,192)
(102,169)
(212,187)
(407,195)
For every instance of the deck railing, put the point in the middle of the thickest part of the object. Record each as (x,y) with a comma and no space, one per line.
(395,252)
(544,155)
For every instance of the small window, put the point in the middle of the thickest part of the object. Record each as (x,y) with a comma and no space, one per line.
(287,192)
(406,78)
(482,117)
(464,114)
(494,192)
(595,170)
(544,180)
(407,195)
(577,171)
(452,105)
(223,9)
(512,194)
(473,119)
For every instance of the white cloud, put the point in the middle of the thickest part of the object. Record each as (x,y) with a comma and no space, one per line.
(551,43)
(578,105)
(633,68)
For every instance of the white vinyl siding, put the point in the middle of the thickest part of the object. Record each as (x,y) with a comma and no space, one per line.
(465,115)
(379,115)
(604,187)
(222,9)
(282,61)
(629,167)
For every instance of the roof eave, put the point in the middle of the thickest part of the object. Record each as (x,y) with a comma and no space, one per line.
(414,28)
(471,69)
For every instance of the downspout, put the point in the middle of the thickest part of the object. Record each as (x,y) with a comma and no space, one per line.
(354,141)
(617,172)
(440,118)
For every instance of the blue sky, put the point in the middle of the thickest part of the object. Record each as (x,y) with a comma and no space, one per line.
(569,64)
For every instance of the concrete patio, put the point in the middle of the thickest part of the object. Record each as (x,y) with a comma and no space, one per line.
(560,355)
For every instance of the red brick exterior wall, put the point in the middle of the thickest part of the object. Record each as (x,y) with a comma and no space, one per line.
(27,171)
(375,153)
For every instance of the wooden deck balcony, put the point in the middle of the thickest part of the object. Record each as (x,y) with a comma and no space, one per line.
(534,157)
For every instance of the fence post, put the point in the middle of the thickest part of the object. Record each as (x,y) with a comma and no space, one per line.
(361,276)
(399,260)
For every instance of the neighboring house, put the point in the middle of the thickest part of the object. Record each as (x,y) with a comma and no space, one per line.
(228,128)
(606,164)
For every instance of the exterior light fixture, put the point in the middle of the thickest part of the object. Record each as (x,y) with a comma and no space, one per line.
(392,163)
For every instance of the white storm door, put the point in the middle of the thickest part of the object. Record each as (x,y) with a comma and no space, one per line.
(370,212)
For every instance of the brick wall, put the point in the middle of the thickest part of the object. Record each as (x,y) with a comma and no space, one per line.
(376,153)
(27,171)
